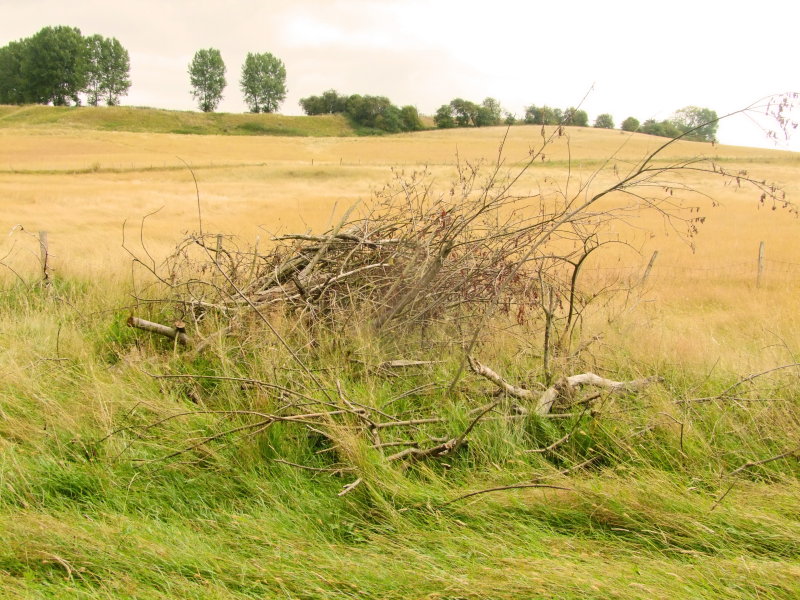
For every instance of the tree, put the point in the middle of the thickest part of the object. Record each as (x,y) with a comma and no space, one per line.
(604,121)
(53,66)
(207,77)
(12,81)
(94,68)
(630,124)
(665,128)
(489,113)
(443,119)
(576,117)
(696,123)
(115,68)
(375,112)
(333,102)
(329,103)
(312,105)
(263,82)
(543,115)
(409,119)
(464,111)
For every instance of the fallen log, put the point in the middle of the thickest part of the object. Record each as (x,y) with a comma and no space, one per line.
(174,333)
(565,386)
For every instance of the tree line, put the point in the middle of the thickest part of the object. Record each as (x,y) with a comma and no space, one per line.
(368,112)
(58,64)
(690,122)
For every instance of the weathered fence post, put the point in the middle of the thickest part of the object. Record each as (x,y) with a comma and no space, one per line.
(219,250)
(649,267)
(760,274)
(44,253)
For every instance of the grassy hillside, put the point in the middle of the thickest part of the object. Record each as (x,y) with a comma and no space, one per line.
(685,489)
(152,120)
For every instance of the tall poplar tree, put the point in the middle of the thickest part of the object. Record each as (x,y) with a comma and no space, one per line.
(207,77)
(263,82)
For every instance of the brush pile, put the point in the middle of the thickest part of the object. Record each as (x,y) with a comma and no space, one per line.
(411,259)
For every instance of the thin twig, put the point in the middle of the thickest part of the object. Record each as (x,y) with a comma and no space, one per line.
(317,469)
(508,487)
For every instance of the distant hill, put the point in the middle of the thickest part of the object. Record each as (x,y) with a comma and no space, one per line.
(138,119)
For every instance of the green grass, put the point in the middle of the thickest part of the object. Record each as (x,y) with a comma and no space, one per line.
(135,119)
(86,517)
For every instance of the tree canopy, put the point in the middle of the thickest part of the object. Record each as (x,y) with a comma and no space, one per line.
(370,112)
(604,121)
(690,122)
(630,124)
(697,123)
(207,77)
(464,113)
(263,82)
(54,64)
(107,70)
(576,117)
(57,64)
(543,115)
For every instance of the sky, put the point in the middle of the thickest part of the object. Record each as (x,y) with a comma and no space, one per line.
(626,58)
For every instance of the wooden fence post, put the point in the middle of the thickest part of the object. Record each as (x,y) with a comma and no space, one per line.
(219,250)
(44,253)
(649,267)
(760,274)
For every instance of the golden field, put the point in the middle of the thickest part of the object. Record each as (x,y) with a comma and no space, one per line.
(131,467)
(698,307)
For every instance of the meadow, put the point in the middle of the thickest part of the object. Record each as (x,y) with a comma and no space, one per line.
(90,509)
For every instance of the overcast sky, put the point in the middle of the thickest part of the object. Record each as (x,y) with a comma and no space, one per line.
(645,59)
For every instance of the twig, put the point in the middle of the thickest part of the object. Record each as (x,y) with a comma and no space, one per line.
(755,376)
(409,422)
(765,461)
(317,469)
(508,487)
(350,487)
(721,498)
(563,439)
(749,465)
(245,380)
(444,448)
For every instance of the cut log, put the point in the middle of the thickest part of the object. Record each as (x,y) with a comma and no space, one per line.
(173,333)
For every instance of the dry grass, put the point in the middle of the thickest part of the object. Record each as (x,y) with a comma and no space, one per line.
(81,186)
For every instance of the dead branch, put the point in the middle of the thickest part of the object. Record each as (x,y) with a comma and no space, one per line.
(444,448)
(564,387)
(404,363)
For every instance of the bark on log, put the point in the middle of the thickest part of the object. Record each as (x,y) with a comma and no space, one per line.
(544,402)
(170,332)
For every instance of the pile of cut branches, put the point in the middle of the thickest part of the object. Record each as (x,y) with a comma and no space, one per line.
(419,257)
